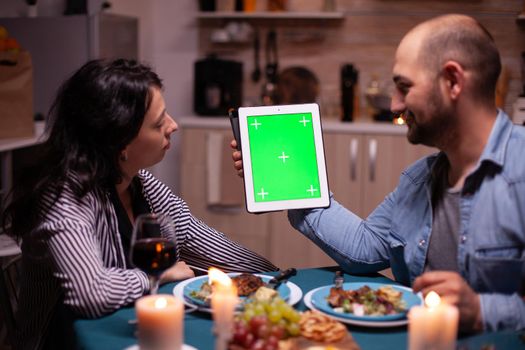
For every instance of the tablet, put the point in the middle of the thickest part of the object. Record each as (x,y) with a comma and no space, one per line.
(283,157)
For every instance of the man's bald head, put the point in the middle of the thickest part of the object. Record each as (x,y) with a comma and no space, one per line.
(464,40)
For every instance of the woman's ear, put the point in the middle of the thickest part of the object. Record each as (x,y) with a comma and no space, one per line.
(124,155)
(454,76)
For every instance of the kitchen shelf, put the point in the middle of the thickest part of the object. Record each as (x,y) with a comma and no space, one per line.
(335,16)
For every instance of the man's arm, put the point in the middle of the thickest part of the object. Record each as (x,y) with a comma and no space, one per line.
(358,246)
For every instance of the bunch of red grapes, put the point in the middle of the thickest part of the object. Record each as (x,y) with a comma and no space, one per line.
(263,323)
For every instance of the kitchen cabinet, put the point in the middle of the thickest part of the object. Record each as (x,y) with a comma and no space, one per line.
(250,230)
(363,163)
(364,167)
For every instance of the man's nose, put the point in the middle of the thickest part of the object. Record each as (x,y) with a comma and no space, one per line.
(397,104)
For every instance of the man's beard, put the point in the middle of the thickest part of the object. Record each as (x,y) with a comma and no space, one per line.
(436,129)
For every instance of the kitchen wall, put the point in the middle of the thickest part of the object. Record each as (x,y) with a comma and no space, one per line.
(368,37)
(171,39)
(167,41)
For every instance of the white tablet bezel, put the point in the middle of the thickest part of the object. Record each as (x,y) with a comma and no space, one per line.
(251,205)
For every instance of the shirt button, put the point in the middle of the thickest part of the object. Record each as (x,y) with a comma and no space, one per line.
(422,242)
(463,239)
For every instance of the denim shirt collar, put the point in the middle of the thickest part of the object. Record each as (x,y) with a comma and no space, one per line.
(494,151)
(496,147)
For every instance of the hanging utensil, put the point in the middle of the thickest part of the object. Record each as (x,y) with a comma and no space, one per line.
(269,88)
(256,74)
(271,56)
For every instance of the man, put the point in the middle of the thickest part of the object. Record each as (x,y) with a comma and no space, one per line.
(455,223)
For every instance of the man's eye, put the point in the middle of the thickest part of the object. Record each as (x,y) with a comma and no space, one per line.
(403,89)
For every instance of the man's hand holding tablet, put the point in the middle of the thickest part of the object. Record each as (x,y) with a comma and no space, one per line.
(282,157)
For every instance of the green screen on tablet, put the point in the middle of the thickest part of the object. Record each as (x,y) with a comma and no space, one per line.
(283,144)
(283,157)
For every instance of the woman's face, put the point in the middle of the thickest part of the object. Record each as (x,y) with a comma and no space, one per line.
(153,139)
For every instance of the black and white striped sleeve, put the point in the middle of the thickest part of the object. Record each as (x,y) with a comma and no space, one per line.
(199,244)
(91,289)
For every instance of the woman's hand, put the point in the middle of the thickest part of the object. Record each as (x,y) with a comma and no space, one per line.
(237,158)
(179,271)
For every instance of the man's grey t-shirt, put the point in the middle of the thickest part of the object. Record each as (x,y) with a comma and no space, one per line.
(443,247)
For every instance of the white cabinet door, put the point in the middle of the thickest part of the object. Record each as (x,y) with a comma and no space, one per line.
(196,172)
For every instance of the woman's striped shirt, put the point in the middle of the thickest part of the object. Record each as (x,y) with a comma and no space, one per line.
(75,258)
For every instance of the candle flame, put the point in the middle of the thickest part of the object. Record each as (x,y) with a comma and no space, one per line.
(161,303)
(432,299)
(217,276)
(399,121)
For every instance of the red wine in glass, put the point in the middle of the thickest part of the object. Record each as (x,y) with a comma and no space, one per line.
(153,246)
(154,255)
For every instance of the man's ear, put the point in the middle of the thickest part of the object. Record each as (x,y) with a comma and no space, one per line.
(454,76)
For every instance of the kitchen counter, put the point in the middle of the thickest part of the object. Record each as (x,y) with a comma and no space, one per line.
(362,127)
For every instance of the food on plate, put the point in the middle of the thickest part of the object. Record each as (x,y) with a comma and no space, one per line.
(366,301)
(265,294)
(263,323)
(246,284)
(275,325)
(321,328)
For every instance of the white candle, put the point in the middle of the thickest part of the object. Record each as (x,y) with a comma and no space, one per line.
(223,302)
(433,326)
(160,322)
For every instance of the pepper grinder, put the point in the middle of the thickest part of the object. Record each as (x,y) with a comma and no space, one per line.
(349,77)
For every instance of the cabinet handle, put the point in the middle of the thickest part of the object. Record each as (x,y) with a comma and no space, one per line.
(354,146)
(372,157)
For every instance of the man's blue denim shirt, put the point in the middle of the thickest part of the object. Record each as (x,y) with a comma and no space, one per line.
(491,254)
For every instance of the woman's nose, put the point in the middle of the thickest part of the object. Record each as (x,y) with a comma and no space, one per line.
(174,126)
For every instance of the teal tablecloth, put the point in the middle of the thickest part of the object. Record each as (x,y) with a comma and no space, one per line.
(113,331)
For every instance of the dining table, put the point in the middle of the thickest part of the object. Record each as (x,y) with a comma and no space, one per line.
(118,331)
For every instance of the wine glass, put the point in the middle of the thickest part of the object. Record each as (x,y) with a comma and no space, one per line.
(153,246)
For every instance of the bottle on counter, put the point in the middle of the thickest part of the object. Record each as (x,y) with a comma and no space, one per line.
(373,90)
(349,92)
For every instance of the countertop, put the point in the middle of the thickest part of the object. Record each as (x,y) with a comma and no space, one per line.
(332,125)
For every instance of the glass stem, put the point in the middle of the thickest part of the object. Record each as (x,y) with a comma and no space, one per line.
(153,284)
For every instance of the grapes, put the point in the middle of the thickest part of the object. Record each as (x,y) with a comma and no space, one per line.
(263,323)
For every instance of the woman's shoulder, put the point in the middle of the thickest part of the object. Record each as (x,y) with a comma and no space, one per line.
(63,199)
(155,188)
(150,182)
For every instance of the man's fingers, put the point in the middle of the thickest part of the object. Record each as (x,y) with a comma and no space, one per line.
(429,279)
(236,156)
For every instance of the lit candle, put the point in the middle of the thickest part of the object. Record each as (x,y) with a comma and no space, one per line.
(433,326)
(160,322)
(223,302)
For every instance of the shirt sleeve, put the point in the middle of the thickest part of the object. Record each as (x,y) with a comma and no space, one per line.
(358,246)
(204,247)
(90,288)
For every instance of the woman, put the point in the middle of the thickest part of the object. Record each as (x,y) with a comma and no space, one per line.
(74,211)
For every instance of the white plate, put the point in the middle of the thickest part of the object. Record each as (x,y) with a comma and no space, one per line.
(184,347)
(394,323)
(295,293)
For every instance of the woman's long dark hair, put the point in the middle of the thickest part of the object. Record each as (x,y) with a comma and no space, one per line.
(97,112)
